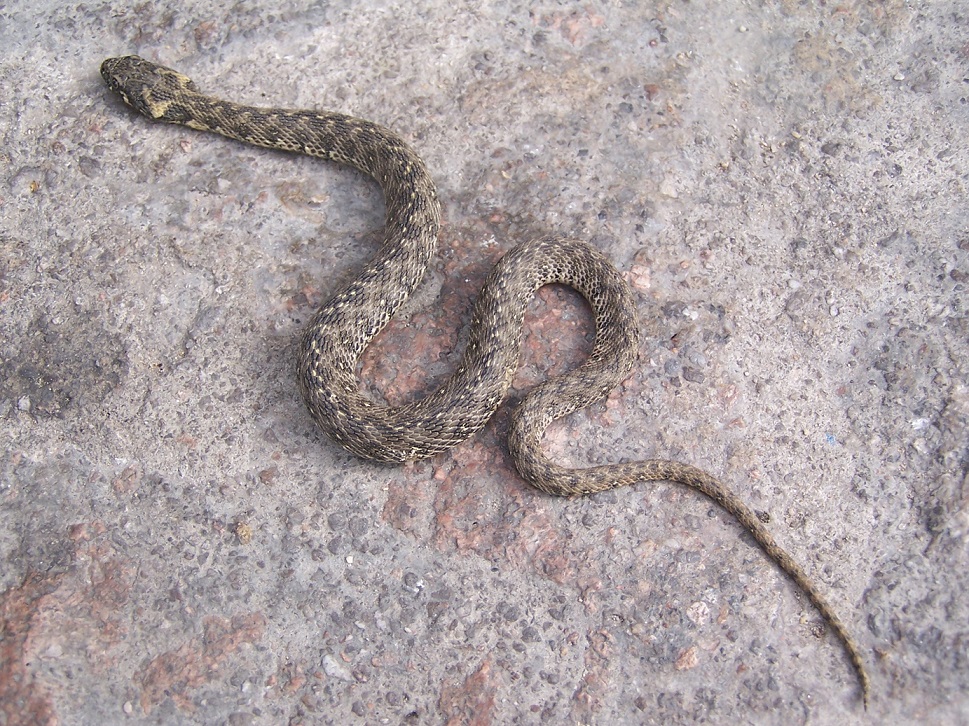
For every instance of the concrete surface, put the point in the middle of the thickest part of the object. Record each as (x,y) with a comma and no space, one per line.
(784,183)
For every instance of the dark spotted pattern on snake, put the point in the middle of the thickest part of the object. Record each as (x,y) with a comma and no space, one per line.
(345,325)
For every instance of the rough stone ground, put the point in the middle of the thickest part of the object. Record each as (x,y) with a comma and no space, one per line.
(783,182)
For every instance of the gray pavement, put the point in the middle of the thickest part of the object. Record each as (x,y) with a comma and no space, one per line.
(785,185)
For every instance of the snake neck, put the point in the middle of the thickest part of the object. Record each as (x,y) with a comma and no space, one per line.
(371,148)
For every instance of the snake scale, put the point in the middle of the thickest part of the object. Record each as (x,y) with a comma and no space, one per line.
(343,327)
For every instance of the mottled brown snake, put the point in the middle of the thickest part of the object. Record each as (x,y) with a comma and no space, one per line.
(343,327)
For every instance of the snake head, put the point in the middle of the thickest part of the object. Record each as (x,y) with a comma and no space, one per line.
(147,87)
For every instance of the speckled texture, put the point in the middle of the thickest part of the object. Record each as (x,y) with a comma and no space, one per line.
(785,187)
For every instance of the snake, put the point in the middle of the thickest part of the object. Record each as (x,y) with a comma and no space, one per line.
(357,311)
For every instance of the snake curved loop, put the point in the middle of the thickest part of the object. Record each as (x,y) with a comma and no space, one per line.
(343,326)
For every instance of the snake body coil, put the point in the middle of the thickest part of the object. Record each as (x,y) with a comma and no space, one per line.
(343,326)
